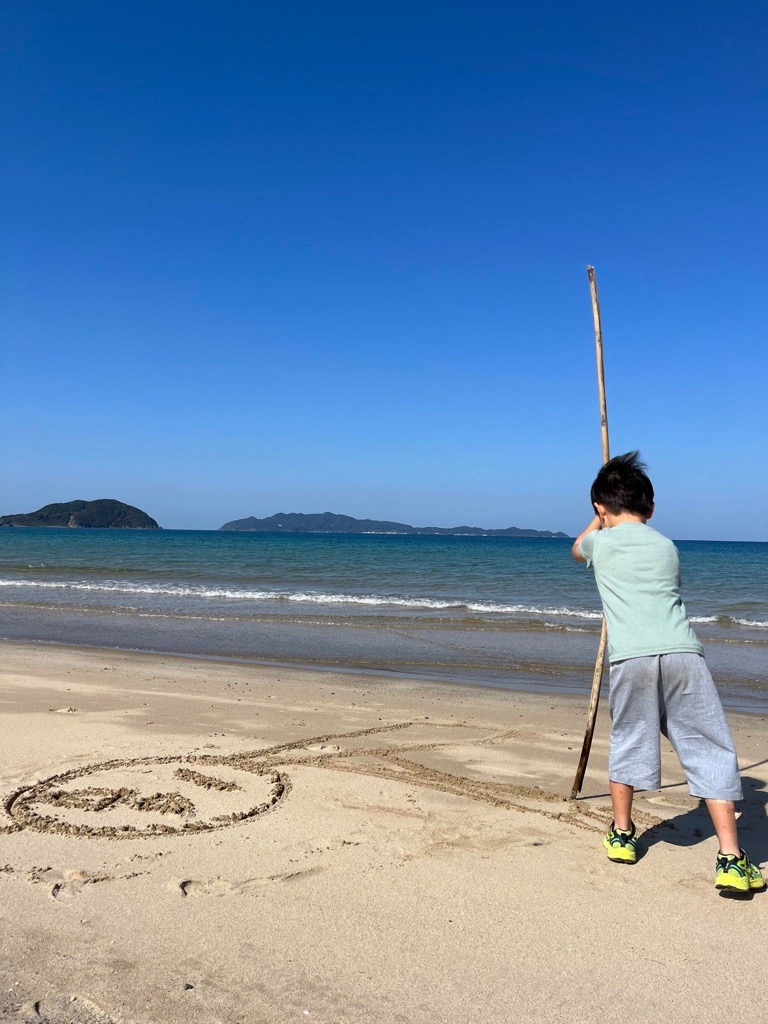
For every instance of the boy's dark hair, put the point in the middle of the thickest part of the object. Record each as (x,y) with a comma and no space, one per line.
(622,485)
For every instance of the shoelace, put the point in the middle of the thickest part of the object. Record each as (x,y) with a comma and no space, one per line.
(727,861)
(622,836)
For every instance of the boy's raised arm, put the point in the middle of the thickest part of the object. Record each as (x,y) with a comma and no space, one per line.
(575,550)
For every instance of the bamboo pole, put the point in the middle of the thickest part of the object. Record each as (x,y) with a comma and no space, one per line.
(597,677)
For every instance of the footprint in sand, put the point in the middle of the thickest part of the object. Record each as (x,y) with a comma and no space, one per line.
(66,882)
(71,881)
(56,1009)
(210,887)
(222,887)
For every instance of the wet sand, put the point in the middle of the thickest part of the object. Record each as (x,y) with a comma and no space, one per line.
(195,841)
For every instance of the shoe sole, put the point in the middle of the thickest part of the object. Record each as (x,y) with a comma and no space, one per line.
(617,860)
(727,887)
(622,860)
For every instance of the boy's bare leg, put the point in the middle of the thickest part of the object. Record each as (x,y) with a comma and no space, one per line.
(621,797)
(723,817)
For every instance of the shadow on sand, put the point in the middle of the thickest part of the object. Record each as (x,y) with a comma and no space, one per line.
(695,826)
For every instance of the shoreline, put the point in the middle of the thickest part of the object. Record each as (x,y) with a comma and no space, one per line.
(555,680)
(301,666)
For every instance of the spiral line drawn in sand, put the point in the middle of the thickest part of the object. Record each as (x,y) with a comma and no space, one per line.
(243,786)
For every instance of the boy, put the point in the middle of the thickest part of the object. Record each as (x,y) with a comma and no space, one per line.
(659,681)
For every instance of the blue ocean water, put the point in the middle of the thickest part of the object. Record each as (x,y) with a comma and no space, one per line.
(500,611)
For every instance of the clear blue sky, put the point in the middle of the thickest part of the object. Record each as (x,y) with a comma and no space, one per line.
(309,257)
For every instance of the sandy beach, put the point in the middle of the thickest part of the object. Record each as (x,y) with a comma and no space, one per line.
(203,841)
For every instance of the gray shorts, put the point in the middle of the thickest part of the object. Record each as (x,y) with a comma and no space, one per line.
(671,694)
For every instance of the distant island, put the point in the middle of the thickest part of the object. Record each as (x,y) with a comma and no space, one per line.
(104,513)
(329,522)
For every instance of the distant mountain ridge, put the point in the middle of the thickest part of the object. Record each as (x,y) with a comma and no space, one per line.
(330,522)
(104,513)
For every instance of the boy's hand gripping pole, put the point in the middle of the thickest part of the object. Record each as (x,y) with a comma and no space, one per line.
(597,678)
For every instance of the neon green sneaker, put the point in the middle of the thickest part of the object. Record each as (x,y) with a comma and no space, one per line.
(621,844)
(737,874)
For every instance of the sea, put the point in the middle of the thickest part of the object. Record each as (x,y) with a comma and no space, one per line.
(515,613)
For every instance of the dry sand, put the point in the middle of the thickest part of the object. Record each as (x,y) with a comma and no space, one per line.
(192,841)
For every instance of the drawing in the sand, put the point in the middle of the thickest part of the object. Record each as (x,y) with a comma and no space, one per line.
(195,793)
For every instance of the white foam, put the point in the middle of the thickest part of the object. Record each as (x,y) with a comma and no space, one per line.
(304,597)
(372,600)
(730,620)
(134,588)
(531,609)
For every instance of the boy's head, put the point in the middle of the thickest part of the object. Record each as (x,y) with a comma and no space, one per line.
(622,485)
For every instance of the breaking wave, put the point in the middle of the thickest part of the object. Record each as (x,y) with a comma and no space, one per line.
(319,598)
